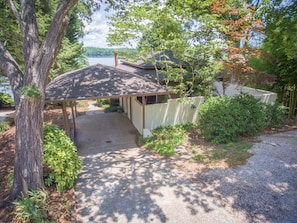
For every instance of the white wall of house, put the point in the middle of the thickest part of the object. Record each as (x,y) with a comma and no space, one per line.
(233,90)
(136,113)
(171,113)
(163,114)
(125,105)
(174,112)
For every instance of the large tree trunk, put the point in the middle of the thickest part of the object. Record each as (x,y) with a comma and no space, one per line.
(38,58)
(28,167)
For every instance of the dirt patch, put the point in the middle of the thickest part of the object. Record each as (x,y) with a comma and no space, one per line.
(196,146)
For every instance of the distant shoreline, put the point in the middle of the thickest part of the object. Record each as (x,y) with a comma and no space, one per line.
(99,56)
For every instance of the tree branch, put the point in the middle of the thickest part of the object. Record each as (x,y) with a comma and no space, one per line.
(10,67)
(53,39)
(14,10)
(30,36)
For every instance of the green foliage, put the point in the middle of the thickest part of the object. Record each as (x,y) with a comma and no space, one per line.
(4,125)
(112,108)
(61,157)
(166,138)
(9,179)
(103,101)
(31,91)
(190,33)
(275,114)
(198,157)
(32,206)
(233,154)
(224,119)
(281,43)
(70,56)
(5,100)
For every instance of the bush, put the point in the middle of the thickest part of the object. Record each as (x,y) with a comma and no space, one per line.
(5,100)
(32,206)
(275,114)
(103,102)
(224,119)
(4,125)
(61,157)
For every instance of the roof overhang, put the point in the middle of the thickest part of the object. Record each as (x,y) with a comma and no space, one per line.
(100,81)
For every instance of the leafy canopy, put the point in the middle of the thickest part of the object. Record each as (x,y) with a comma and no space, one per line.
(185,28)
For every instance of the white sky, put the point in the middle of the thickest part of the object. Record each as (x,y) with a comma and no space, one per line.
(96,31)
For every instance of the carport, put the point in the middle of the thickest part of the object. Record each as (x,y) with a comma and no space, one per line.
(99,81)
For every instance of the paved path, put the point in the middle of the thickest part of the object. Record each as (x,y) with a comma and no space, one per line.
(120,182)
(5,113)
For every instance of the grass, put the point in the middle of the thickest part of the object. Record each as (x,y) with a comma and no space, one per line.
(165,140)
(233,154)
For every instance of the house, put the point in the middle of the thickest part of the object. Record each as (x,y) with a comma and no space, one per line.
(141,97)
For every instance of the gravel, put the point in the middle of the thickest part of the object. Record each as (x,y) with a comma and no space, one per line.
(121,182)
(265,189)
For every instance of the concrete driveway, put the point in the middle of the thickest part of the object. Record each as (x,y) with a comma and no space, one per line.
(121,182)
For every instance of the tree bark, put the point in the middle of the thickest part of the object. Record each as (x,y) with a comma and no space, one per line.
(38,58)
(28,167)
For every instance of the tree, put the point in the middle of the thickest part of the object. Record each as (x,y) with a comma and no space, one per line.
(241,20)
(28,86)
(71,54)
(281,43)
(185,28)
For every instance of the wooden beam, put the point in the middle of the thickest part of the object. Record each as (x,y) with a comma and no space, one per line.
(130,108)
(143,112)
(65,117)
(73,117)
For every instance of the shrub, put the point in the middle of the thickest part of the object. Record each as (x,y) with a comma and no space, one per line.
(5,100)
(224,119)
(32,206)
(103,102)
(4,125)
(252,114)
(275,114)
(61,157)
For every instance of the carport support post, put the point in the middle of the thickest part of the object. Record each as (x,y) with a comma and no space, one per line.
(65,117)
(143,113)
(73,115)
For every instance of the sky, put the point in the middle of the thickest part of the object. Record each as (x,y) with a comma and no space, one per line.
(96,32)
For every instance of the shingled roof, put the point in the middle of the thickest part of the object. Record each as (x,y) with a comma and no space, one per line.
(100,81)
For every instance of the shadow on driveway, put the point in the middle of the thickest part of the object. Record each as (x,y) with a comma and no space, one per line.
(121,182)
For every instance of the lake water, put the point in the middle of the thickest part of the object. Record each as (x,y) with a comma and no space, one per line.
(101,60)
(5,88)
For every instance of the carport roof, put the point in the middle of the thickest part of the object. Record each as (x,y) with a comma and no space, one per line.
(100,81)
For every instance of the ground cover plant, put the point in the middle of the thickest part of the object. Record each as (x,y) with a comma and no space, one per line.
(60,157)
(166,138)
(58,206)
(4,125)
(61,166)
